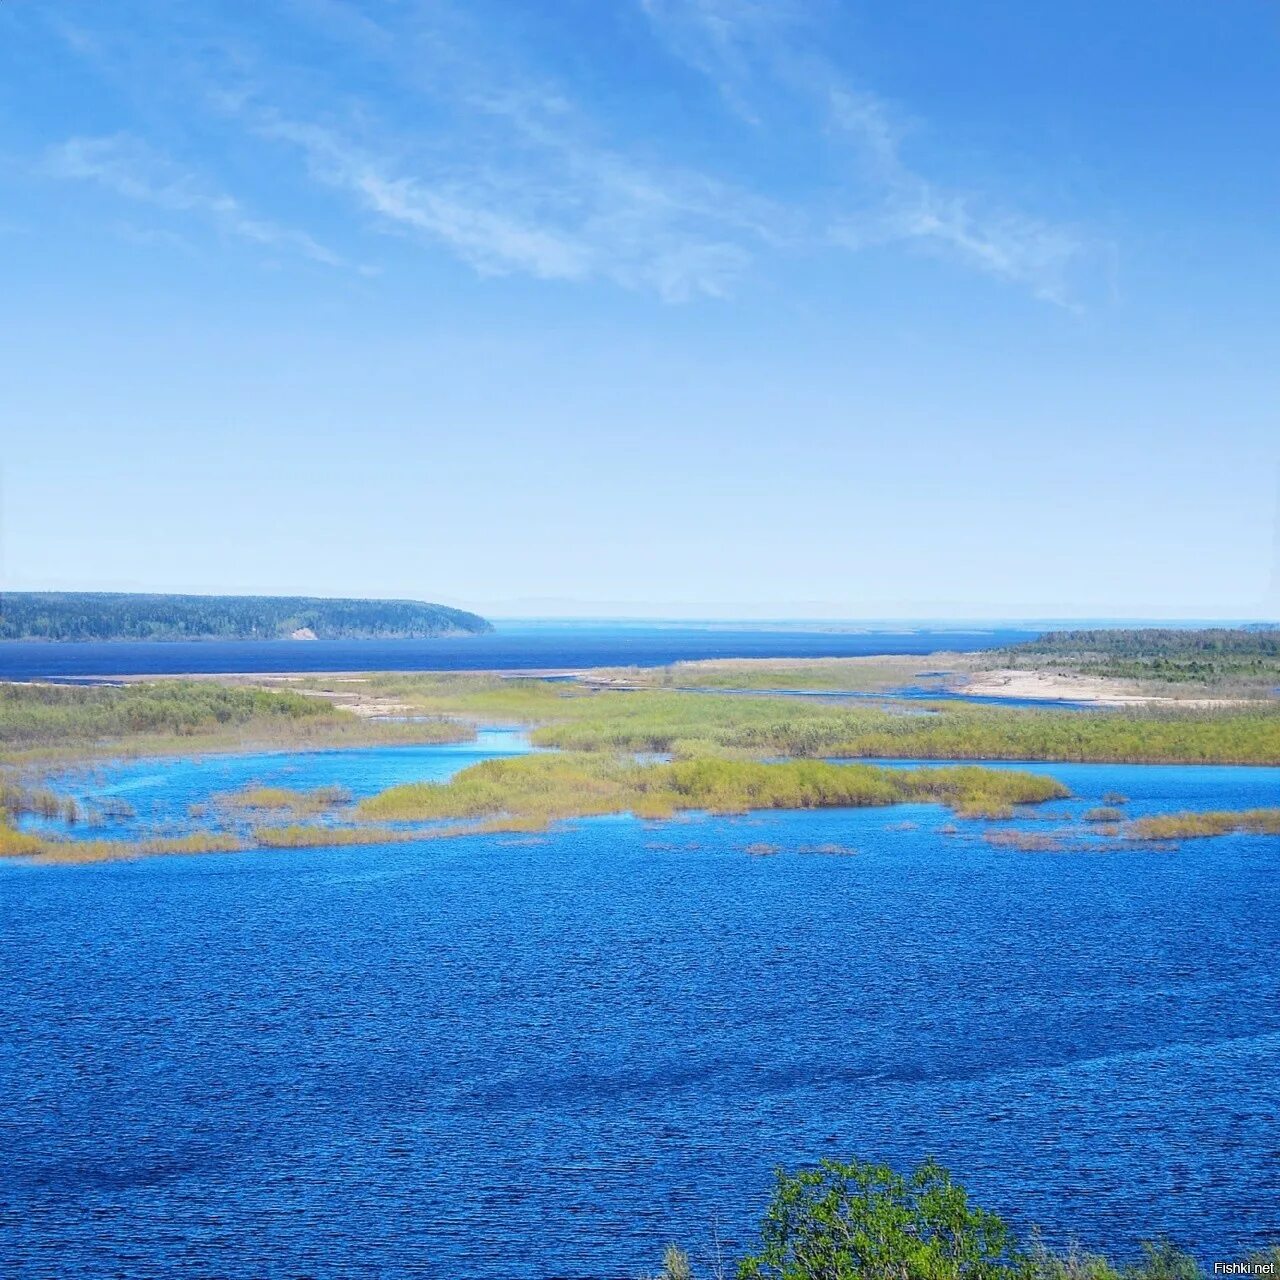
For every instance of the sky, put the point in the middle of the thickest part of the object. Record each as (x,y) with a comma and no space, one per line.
(684,308)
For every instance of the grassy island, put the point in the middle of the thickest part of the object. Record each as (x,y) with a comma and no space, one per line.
(1214,822)
(542,788)
(530,792)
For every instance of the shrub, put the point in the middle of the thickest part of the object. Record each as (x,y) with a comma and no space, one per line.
(865,1222)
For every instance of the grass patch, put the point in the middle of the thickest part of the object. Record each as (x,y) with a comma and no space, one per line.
(302,836)
(299,803)
(173,716)
(542,789)
(17,801)
(71,852)
(17,844)
(579,718)
(1104,813)
(1024,841)
(847,675)
(1193,826)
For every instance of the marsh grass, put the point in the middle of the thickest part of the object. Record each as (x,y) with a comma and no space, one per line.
(304,836)
(526,794)
(877,674)
(52,723)
(578,718)
(298,803)
(1024,841)
(1104,814)
(69,852)
(19,801)
(1191,826)
(656,753)
(545,788)
(18,844)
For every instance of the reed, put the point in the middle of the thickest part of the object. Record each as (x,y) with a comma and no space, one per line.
(167,717)
(583,718)
(1193,826)
(546,788)
(300,803)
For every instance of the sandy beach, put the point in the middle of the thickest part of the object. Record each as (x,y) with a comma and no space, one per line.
(1055,686)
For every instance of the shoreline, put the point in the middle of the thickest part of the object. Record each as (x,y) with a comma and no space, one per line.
(994,683)
(1046,686)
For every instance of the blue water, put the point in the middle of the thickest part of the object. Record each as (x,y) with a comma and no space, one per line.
(515,647)
(161,792)
(511,1057)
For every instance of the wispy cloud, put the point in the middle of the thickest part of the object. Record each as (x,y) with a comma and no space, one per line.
(749,50)
(1024,251)
(477,150)
(463,139)
(459,213)
(551,204)
(717,39)
(128,167)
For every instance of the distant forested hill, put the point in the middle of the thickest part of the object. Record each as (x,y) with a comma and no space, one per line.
(92,615)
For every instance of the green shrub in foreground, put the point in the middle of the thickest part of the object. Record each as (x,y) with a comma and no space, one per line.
(865,1222)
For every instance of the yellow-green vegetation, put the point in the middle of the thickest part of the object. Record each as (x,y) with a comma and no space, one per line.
(17,844)
(1103,814)
(44,850)
(1218,822)
(544,788)
(851,675)
(1024,841)
(169,716)
(689,725)
(299,803)
(953,731)
(1157,829)
(48,850)
(18,800)
(717,752)
(304,836)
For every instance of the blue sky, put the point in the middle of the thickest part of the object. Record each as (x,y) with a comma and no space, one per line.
(680,307)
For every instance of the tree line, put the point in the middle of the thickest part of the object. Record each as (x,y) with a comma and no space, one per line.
(94,615)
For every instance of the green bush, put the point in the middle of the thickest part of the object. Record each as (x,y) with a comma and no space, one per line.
(862,1221)
(865,1222)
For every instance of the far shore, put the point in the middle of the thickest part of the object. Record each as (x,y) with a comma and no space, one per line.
(1048,686)
(959,677)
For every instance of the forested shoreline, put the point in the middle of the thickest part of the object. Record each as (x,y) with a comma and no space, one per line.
(96,615)
(1214,657)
